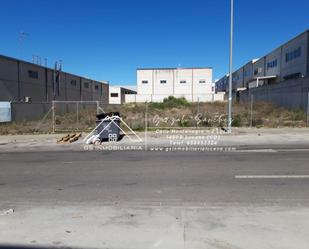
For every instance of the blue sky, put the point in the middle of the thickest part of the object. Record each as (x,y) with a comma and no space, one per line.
(108,40)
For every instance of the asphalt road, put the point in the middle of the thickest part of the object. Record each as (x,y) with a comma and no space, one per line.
(137,200)
(155,178)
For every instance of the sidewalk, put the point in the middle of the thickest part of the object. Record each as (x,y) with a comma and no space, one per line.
(156,227)
(240,138)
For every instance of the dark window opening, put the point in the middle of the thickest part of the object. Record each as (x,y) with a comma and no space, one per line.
(144,81)
(272,64)
(293,54)
(96,87)
(73,83)
(293,76)
(183,82)
(258,70)
(33,74)
(114,95)
(163,81)
(247,73)
(86,84)
(202,81)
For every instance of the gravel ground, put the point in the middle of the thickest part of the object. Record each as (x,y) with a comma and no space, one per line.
(240,137)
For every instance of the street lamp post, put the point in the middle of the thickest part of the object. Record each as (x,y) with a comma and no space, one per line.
(231,70)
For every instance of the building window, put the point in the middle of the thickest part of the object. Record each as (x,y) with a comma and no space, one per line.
(144,81)
(163,81)
(96,87)
(258,70)
(183,82)
(235,77)
(202,81)
(86,84)
(114,95)
(248,73)
(73,82)
(33,74)
(272,64)
(293,54)
(293,76)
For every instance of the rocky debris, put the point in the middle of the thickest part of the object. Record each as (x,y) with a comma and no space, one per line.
(7,211)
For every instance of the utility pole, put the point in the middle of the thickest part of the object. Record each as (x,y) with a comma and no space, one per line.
(56,78)
(22,36)
(231,70)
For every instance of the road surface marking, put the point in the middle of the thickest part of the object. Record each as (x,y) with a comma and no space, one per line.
(292,150)
(271,176)
(256,150)
(158,243)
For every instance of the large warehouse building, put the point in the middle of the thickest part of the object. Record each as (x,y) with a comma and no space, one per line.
(21,81)
(155,84)
(287,62)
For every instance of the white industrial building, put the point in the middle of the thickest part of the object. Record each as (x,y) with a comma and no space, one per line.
(155,84)
(117,94)
(289,61)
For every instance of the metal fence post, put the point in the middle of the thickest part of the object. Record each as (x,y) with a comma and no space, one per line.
(251,108)
(98,106)
(308,109)
(53,115)
(198,105)
(77,113)
(146,125)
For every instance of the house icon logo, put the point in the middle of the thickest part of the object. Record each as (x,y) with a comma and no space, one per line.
(110,127)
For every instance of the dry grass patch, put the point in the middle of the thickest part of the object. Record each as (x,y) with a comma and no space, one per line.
(263,115)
